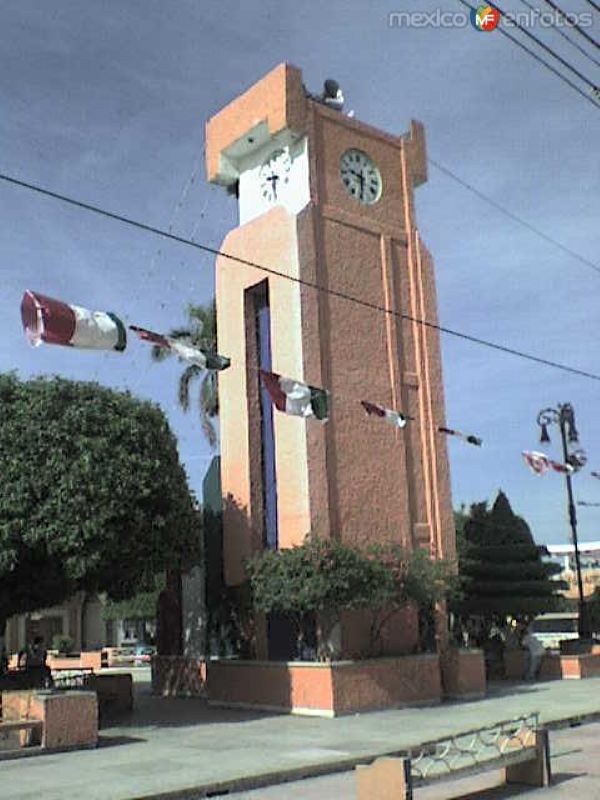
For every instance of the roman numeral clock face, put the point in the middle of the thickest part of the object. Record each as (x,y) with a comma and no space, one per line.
(360,177)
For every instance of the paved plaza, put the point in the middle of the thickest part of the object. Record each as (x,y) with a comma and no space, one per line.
(182,748)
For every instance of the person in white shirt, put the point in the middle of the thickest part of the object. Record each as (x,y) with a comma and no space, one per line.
(536,653)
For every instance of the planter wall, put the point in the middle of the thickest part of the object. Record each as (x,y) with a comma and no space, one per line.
(572,667)
(69,719)
(325,689)
(85,660)
(463,673)
(515,664)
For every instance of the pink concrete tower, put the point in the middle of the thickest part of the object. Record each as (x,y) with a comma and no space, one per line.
(327,201)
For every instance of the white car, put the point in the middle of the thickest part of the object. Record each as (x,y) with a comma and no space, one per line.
(552,629)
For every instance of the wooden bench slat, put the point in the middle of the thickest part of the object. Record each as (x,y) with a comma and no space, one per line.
(20,724)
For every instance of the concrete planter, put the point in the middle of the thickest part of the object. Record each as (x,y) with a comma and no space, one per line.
(571,667)
(325,689)
(463,673)
(85,660)
(515,664)
(69,719)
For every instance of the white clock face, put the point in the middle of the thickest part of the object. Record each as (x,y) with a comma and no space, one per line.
(275,175)
(360,177)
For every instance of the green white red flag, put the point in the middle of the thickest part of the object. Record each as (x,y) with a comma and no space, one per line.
(295,398)
(395,418)
(184,349)
(466,437)
(540,463)
(54,322)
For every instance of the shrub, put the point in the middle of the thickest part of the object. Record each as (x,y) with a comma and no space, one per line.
(328,577)
(63,643)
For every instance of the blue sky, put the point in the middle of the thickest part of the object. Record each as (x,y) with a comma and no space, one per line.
(106,102)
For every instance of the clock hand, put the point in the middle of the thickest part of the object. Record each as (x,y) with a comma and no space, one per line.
(274,178)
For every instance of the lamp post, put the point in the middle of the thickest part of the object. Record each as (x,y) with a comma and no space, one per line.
(564,416)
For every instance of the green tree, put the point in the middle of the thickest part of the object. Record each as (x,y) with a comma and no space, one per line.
(328,577)
(200,331)
(139,607)
(92,496)
(501,569)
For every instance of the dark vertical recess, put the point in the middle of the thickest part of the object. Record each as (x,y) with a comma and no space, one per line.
(262,312)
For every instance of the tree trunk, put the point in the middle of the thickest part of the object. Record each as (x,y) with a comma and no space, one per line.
(169,623)
(329,636)
(3,653)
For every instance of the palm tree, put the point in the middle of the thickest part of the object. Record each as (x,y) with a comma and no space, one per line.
(201,332)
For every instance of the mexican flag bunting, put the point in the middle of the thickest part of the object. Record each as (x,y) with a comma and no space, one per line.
(565,469)
(54,322)
(466,437)
(295,398)
(394,418)
(539,463)
(184,349)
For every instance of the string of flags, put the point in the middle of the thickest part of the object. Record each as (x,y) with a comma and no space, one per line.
(182,348)
(52,321)
(55,322)
(540,463)
(295,398)
(394,418)
(466,437)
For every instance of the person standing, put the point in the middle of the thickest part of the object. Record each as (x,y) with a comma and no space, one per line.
(38,673)
(536,653)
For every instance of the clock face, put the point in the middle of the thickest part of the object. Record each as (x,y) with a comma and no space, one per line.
(360,177)
(275,175)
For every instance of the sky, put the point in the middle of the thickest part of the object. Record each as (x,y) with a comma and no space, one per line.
(106,102)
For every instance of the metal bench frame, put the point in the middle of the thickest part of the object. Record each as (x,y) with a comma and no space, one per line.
(512,744)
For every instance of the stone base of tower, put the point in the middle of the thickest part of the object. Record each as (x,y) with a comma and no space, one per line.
(326,689)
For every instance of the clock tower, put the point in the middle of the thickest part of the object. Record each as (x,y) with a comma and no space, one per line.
(328,277)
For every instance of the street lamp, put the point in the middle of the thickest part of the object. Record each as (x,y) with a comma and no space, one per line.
(564,416)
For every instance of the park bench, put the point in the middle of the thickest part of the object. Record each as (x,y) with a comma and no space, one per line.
(29,730)
(518,746)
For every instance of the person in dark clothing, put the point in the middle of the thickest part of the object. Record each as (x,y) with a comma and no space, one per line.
(38,673)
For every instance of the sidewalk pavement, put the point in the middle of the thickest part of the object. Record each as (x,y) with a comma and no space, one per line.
(181,748)
(575,768)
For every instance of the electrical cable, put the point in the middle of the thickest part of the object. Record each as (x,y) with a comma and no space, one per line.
(574,25)
(333,292)
(593,100)
(556,29)
(590,84)
(514,217)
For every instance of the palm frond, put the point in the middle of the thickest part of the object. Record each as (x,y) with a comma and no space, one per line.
(208,404)
(209,394)
(185,381)
(160,353)
(181,333)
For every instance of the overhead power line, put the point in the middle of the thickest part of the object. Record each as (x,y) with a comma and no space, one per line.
(593,5)
(591,87)
(514,217)
(333,292)
(556,29)
(574,25)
